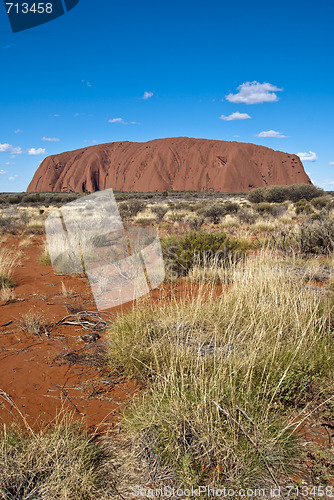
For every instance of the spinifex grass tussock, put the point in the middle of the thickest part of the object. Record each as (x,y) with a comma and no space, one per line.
(44,257)
(8,261)
(60,463)
(34,323)
(7,294)
(225,376)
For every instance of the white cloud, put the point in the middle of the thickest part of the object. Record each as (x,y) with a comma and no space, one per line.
(50,139)
(254,93)
(147,95)
(310,156)
(17,131)
(327,184)
(36,152)
(56,115)
(270,133)
(10,163)
(117,120)
(331,163)
(235,116)
(87,83)
(8,148)
(13,177)
(3,172)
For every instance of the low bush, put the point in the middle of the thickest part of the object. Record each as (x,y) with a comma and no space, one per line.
(130,208)
(181,253)
(316,237)
(320,202)
(159,211)
(278,194)
(35,229)
(266,208)
(303,207)
(195,222)
(231,207)
(214,213)
(246,216)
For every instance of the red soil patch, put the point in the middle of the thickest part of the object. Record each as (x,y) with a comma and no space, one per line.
(43,374)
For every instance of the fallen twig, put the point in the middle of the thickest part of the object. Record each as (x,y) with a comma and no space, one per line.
(67,398)
(88,320)
(7,397)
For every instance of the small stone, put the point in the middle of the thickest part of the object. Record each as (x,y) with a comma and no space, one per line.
(90,337)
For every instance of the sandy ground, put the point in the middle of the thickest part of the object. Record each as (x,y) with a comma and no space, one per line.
(43,374)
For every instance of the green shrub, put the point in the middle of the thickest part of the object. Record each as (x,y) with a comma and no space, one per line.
(159,211)
(231,207)
(278,194)
(246,216)
(195,222)
(35,229)
(214,213)
(181,253)
(14,199)
(275,194)
(317,237)
(269,208)
(130,208)
(256,195)
(320,202)
(303,207)
(297,192)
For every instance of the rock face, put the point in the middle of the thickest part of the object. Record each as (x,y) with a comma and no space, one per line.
(178,164)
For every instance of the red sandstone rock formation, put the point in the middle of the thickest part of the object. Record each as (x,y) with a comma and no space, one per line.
(177,164)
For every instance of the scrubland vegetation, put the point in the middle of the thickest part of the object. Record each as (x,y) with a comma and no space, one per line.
(228,378)
(230,370)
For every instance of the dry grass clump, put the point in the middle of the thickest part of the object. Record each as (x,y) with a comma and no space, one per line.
(61,463)
(8,261)
(25,242)
(263,226)
(34,323)
(224,375)
(44,257)
(7,294)
(230,221)
(66,292)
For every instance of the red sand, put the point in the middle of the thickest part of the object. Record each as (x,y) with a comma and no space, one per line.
(35,375)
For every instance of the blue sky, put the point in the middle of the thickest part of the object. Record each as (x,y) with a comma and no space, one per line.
(258,72)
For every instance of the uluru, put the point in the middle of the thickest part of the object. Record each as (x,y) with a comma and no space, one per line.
(179,164)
